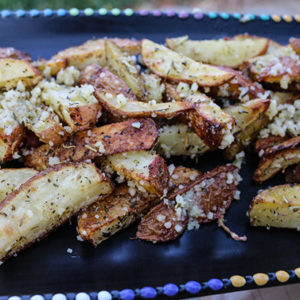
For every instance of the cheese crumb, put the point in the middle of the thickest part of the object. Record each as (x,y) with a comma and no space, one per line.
(136,124)
(168,225)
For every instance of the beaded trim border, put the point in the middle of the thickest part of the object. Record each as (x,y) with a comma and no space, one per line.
(156,13)
(190,288)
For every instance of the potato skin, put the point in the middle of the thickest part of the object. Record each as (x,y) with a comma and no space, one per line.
(277,157)
(270,141)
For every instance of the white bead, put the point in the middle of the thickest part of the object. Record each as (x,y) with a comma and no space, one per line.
(104,295)
(59,297)
(37,297)
(82,296)
(14,298)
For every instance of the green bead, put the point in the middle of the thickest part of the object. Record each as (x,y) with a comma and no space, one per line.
(128,12)
(115,11)
(102,11)
(88,11)
(74,12)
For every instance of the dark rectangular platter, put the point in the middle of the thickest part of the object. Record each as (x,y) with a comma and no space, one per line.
(121,262)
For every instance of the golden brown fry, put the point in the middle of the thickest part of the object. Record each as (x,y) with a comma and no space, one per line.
(270,141)
(55,65)
(295,44)
(14,54)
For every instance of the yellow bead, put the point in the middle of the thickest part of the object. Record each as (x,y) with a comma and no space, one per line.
(297,272)
(297,18)
(276,18)
(287,18)
(282,276)
(238,281)
(261,278)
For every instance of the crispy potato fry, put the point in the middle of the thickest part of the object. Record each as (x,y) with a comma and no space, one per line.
(11,179)
(276,158)
(55,65)
(168,229)
(14,70)
(176,67)
(147,170)
(277,206)
(171,92)
(250,119)
(123,65)
(295,44)
(129,46)
(222,52)
(112,213)
(292,174)
(51,197)
(153,87)
(14,54)
(119,105)
(113,138)
(179,139)
(270,141)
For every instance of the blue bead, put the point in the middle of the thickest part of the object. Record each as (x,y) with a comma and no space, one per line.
(264,17)
(170,289)
(193,287)
(48,12)
(215,284)
(224,15)
(127,294)
(61,12)
(20,13)
(34,13)
(212,15)
(236,15)
(148,292)
(5,13)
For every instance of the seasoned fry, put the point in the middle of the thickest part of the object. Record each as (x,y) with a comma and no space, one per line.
(52,196)
(14,54)
(276,158)
(176,67)
(114,138)
(295,44)
(112,213)
(277,206)
(227,53)
(153,87)
(264,143)
(54,65)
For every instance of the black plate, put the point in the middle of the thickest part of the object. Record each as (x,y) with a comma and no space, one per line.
(120,262)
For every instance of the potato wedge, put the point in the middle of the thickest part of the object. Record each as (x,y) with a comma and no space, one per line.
(14,70)
(250,119)
(278,206)
(54,65)
(119,105)
(178,68)
(179,139)
(113,138)
(292,174)
(129,46)
(11,179)
(124,66)
(76,106)
(264,143)
(222,52)
(46,201)
(112,213)
(14,54)
(295,44)
(276,158)
(153,87)
(147,170)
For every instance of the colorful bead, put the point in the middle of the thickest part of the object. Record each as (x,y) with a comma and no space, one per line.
(265,17)
(193,287)
(148,292)
(282,276)
(287,18)
(170,289)
(224,15)
(104,295)
(143,12)
(14,298)
(261,278)
(82,296)
(127,294)
(183,15)
(170,13)
(297,272)
(37,297)
(236,15)
(297,18)
(198,15)
(156,13)
(276,18)
(59,297)
(88,11)
(102,11)
(237,280)
(115,11)
(5,13)
(34,13)
(47,12)
(128,12)
(61,12)
(74,12)
(215,284)
(20,13)
(212,15)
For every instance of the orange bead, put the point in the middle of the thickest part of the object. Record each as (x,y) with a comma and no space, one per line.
(297,18)
(287,18)
(282,276)
(238,281)
(261,278)
(297,272)
(276,18)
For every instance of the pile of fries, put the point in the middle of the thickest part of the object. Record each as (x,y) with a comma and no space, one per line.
(94,124)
